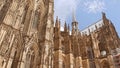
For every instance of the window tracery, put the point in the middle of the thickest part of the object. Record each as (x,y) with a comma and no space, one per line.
(30,56)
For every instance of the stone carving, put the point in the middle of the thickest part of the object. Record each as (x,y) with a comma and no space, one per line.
(29,39)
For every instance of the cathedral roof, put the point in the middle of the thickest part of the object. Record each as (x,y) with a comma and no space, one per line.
(92,27)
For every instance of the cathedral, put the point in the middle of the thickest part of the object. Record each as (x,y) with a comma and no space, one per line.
(30,38)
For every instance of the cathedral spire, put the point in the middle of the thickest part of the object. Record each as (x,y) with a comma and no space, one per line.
(74,25)
(73,16)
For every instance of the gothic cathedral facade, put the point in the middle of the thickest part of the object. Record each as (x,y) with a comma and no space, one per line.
(29,38)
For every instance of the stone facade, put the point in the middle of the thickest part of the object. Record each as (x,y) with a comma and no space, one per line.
(29,39)
(26,33)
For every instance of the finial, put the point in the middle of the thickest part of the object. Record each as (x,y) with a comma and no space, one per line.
(65,24)
(65,27)
(103,15)
(68,27)
(104,18)
(57,22)
(56,18)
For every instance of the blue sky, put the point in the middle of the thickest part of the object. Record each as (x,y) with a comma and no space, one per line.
(88,11)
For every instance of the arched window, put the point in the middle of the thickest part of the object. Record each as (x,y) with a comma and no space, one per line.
(91,57)
(36,19)
(105,64)
(90,52)
(30,58)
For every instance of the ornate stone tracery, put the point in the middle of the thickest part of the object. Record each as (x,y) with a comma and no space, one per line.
(29,38)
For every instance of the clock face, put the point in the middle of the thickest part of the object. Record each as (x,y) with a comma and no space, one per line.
(103,53)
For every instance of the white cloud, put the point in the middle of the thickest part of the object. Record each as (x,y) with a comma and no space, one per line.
(95,6)
(63,8)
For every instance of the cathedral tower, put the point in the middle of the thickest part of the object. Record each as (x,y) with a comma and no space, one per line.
(74,25)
